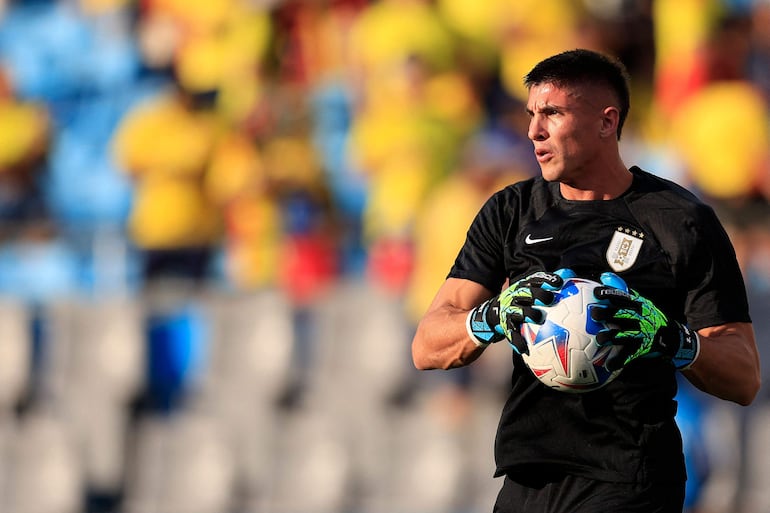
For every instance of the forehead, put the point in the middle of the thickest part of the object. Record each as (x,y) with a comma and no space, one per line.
(548,93)
(567,97)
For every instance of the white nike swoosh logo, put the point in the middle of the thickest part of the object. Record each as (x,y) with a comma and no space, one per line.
(530,240)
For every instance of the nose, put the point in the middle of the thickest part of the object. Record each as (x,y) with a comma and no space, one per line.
(536,131)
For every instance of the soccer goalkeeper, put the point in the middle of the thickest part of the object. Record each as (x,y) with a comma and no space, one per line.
(684,308)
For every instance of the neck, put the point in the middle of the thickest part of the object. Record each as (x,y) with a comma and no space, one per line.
(608,184)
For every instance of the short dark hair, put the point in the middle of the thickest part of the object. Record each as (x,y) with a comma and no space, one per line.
(585,67)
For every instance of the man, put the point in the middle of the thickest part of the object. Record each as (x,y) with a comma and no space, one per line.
(618,448)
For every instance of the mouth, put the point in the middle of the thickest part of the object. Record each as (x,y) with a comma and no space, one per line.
(543,155)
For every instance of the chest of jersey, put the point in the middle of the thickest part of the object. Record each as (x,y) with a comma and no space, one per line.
(591,239)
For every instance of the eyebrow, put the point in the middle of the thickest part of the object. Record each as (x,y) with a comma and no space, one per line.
(546,107)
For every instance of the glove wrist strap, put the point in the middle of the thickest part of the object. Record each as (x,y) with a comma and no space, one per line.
(479,329)
(476,340)
(689,348)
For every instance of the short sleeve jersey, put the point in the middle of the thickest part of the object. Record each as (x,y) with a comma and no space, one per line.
(668,246)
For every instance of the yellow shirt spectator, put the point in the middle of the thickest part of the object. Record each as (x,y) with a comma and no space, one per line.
(404,152)
(23,130)
(238,181)
(165,147)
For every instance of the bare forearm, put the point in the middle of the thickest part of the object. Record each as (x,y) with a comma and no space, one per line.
(442,341)
(728,364)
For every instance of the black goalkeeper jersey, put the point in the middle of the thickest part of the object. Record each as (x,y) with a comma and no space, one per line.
(669,247)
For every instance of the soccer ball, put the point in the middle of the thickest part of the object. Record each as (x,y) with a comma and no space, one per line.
(563,353)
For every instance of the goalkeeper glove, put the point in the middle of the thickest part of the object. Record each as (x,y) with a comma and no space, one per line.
(499,318)
(640,328)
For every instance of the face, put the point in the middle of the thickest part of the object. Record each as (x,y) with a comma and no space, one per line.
(568,128)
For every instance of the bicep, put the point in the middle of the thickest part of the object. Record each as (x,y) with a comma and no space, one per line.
(739,336)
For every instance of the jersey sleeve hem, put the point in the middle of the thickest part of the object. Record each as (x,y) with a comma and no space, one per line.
(465,275)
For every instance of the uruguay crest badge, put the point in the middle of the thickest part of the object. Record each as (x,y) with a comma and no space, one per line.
(624,248)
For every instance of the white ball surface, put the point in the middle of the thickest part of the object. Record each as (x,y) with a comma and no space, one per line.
(563,353)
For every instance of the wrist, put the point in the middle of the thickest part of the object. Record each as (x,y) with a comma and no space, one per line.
(477,324)
(689,348)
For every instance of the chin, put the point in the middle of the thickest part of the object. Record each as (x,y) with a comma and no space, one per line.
(550,175)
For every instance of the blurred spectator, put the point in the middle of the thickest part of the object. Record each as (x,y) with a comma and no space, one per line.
(681,31)
(165,145)
(216,45)
(81,65)
(313,40)
(308,261)
(332,113)
(488,163)
(698,43)
(25,131)
(35,265)
(54,51)
(405,136)
(404,147)
(253,232)
(401,137)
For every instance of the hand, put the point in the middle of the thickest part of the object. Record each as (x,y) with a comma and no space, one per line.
(500,317)
(518,302)
(643,331)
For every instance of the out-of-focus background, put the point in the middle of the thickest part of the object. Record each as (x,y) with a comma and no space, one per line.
(221,219)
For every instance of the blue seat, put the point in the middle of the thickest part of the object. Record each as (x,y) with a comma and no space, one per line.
(177,343)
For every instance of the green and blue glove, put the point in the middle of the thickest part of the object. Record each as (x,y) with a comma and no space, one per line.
(500,317)
(640,328)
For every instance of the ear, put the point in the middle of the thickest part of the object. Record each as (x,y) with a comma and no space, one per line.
(610,119)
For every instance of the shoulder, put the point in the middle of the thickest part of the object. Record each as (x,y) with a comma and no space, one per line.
(521,196)
(655,194)
(527,187)
(678,216)
(647,185)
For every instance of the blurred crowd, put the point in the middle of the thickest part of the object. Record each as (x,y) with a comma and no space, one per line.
(160,154)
